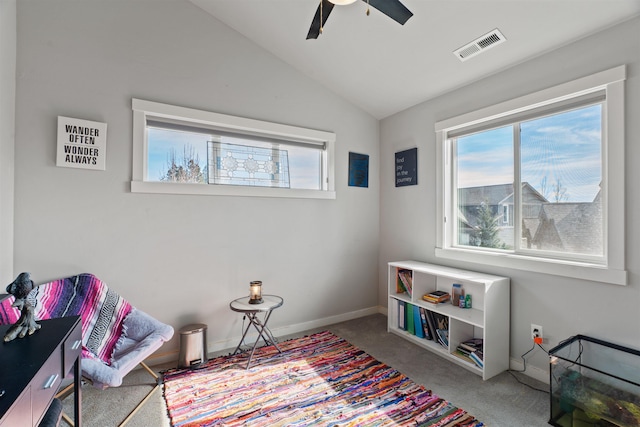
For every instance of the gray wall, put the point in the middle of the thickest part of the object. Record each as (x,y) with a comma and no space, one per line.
(564,307)
(182,258)
(7,116)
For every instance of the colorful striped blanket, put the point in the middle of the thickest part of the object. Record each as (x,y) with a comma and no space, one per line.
(102,311)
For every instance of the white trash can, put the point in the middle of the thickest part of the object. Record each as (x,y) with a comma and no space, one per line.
(193,345)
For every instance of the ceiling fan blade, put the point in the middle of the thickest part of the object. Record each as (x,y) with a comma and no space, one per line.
(314,31)
(393,9)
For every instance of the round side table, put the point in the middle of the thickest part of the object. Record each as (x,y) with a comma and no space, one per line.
(251,311)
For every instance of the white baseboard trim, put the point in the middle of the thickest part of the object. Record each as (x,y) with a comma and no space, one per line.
(326,321)
(541,375)
(231,343)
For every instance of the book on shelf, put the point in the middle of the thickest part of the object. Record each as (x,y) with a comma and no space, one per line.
(443,337)
(463,350)
(463,356)
(440,321)
(473,357)
(417,322)
(477,358)
(441,325)
(411,327)
(425,325)
(400,289)
(405,281)
(402,323)
(431,324)
(436,297)
(473,344)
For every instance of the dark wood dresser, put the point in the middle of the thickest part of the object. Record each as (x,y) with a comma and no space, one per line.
(32,368)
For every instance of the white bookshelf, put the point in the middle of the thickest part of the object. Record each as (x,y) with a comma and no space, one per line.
(488,319)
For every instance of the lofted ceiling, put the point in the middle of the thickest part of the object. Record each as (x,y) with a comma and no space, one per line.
(384,67)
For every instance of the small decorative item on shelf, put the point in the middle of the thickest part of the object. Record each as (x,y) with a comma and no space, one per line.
(255,292)
(26,324)
(456,292)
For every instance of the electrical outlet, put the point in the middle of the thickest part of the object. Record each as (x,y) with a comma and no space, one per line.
(536,331)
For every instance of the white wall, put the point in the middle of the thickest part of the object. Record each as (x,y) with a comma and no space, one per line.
(564,307)
(182,258)
(7,116)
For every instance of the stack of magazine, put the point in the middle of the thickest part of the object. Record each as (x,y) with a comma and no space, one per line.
(472,351)
(436,297)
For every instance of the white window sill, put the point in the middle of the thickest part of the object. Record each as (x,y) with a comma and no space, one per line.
(576,270)
(227,190)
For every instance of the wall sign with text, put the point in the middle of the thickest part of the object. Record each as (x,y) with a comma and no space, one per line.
(81,144)
(407,167)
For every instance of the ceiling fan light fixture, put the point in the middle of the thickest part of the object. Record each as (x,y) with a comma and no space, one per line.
(342,2)
(394,9)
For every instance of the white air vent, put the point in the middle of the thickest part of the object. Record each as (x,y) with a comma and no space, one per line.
(479,45)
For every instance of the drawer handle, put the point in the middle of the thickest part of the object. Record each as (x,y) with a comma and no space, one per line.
(76,345)
(51,381)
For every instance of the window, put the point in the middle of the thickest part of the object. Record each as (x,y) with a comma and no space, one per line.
(537,183)
(179,150)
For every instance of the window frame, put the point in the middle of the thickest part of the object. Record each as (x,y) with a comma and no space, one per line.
(155,111)
(612,269)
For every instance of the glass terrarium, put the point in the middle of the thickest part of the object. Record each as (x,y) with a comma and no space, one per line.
(594,383)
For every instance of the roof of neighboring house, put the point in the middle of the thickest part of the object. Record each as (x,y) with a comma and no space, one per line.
(491,194)
(531,224)
(564,226)
(497,195)
(578,225)
(464,222)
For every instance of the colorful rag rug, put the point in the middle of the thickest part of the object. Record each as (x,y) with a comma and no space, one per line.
(102,311)
(318,380)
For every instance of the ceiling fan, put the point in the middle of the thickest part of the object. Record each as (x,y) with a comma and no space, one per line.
(392,8)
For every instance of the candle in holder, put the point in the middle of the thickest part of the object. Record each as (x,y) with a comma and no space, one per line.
(255,292)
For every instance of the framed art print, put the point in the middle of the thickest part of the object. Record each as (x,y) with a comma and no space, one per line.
(358,170)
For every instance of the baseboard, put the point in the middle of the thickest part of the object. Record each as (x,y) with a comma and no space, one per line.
(541,375)
(231,343)
(326,321)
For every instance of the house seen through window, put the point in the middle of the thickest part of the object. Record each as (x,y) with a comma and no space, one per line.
(559,205)
(536,183)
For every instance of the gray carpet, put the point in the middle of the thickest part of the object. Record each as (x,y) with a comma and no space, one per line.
(501,401)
